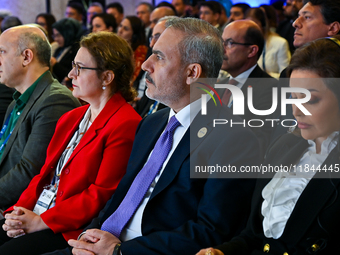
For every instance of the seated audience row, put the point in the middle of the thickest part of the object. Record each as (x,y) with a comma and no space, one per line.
(78,167)
(296,211)
(161,177)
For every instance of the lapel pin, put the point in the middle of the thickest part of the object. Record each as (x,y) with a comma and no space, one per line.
(202,132)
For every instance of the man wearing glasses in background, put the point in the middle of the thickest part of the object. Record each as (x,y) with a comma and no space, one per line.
(243,43)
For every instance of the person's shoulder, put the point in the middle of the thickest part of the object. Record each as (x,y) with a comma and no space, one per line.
(258,77)
(276,39)
(287,140)
(57,88)
(157,115)
(50,91)
(126,112)
(155,119)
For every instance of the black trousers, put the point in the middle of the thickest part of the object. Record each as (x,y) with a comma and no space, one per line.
(31,244)
(67,251)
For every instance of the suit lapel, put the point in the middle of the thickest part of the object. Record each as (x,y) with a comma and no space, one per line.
(320,190)
(111,107)
(187,145)
(145,140)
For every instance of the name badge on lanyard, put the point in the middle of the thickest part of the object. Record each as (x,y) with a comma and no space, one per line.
(3,130)
(44,201)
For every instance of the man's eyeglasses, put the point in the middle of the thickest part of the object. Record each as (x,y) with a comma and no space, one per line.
(155,37)
(229,43)
(78,67)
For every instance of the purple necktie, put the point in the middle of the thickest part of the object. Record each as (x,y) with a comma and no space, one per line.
(141,184)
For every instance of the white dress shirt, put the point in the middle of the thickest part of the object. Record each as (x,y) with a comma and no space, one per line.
(283,191)
(185,116)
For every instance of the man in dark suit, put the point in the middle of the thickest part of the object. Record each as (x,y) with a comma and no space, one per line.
(5,99)
(178,214)
(243,43)
(326,23)
(31,118)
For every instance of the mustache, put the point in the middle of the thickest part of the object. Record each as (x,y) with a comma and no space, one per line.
(148,77)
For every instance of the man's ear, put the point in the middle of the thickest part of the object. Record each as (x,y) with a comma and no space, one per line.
(107,77)
(254,49)
(28,57)
(334,28)
(194,72)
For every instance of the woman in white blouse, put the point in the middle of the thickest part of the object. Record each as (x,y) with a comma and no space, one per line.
(296,210)
(275,55)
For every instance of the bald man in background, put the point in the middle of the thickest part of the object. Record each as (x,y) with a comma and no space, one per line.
(39,101)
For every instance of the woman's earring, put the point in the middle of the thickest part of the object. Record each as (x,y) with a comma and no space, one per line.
(104,87)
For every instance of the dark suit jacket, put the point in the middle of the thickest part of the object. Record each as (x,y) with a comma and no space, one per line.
(185,214)
(64,66)
(262,84)
(286,30)
(25,151)
(314,220)
(88,177)
(5,99)
(279,129)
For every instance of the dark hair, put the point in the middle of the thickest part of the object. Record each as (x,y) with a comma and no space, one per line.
(259,14)
(255,36)
(271,15)
(50,20)
(243,6)
(166,4)
(330,9)
(214,6)
(138,36)
(150,6)
(70,29)
(77,6)
(112,53)
(278,5)
(108,19)
(321,57)
(10,21)
(117,6)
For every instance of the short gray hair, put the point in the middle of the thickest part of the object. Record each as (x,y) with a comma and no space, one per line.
(97,4)
(166,18)
(202,44)
(38,44)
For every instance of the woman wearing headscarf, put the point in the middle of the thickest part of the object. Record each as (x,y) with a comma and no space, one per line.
(66,33)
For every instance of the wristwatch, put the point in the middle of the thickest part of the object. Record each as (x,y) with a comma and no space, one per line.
(116,251)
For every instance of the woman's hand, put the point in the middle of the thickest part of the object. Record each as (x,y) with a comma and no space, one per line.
(21,221)
(210,251)
(13,227)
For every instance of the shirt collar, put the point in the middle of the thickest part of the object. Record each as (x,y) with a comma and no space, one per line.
(187,114)
(22,99)
(242,77)
(327,145)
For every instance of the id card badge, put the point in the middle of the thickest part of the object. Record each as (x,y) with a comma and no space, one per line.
(44,201)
